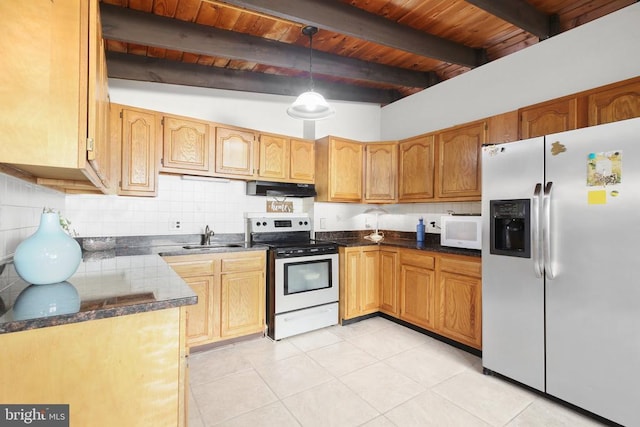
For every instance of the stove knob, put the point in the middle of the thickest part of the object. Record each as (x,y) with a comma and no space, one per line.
(306,223)
(258,224)
(299,222)
(264,223)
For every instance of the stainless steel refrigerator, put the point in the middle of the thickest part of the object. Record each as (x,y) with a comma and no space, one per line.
(561,266)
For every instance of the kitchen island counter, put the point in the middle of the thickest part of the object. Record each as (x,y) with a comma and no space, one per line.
(107,286)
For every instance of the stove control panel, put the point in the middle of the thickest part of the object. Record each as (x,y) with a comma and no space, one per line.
(275,225)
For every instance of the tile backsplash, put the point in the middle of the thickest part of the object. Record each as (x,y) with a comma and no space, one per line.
(194,204)
(21,204)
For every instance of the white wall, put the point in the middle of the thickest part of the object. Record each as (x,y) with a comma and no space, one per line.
(597,53)
(261,112)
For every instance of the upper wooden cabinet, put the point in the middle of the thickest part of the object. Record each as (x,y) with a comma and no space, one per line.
(339,164)
(138,135)
(502,128)
(416,169)
(274,152)
(550,117)
(54,112)
(235,150)
(187,146)
(612,103)
(458,175)
(381,171)
(302,164)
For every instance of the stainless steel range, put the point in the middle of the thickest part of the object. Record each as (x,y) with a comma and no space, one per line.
(302,275)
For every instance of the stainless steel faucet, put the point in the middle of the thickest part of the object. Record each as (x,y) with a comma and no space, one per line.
(206,238)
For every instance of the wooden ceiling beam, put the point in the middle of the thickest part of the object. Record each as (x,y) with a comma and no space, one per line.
(130,26)
(346,19)
(521,14)
(143,68)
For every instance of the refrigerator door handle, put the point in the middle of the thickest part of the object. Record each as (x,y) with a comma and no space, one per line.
(538,266)
(546,232)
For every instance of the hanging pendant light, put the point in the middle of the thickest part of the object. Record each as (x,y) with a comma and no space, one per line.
(310,105)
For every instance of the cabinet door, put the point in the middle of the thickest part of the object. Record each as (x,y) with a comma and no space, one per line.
(502,128)
(351,274)
(548,118)
(98,151)
(242,303)
(274,157)
(460,308)
(200,327)
(302,164)
(139,153)
(187,146)
(345,176)
(381,163)
(234,152)
(389,281)
(369,289)
(459,174)
(416,169)
(618,102)
(417,296)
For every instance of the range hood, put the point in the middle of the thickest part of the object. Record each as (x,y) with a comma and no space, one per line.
(280,189)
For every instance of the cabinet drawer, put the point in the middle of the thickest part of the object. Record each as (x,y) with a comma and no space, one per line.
(243,262)
(418,259)
(461,266)
(192,268)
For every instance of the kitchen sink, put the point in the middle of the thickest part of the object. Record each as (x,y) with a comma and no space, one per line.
(215,246)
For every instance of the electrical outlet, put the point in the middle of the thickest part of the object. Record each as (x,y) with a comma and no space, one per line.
(175,224)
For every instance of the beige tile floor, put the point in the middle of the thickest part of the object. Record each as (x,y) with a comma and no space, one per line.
(370,373)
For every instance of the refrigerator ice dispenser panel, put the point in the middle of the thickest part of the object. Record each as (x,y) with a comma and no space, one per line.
(510,227)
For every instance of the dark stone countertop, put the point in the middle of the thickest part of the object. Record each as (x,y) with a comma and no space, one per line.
(394,239)
(130,278)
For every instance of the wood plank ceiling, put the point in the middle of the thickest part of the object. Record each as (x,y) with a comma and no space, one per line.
(366,50)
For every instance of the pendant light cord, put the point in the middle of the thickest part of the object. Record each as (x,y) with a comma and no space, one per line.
(311,60)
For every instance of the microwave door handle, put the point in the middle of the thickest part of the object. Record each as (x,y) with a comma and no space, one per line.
(538,265)
(546,232)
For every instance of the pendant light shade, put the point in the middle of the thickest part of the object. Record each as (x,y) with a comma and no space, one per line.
(310,105)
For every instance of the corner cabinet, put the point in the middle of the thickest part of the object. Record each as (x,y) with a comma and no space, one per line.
(389,281)
(380,172)
(231,294)
(55,110)
(339,165)
(459,149)
(416,169)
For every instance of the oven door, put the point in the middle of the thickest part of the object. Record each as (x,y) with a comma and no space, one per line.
(305,281)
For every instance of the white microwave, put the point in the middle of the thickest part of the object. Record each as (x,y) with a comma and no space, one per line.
(461,231)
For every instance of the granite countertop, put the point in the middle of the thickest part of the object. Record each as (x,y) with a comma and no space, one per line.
(130,278)
(395,239)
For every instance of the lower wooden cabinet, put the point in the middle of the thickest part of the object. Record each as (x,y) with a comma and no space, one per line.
(460,300)
(438,292)
(389,281)
(119,371)
(359,288)
(417,288)
(231,294)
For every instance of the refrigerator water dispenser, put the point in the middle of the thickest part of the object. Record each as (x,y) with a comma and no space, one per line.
(510,227)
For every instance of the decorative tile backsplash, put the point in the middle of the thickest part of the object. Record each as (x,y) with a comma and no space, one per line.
(193,204)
